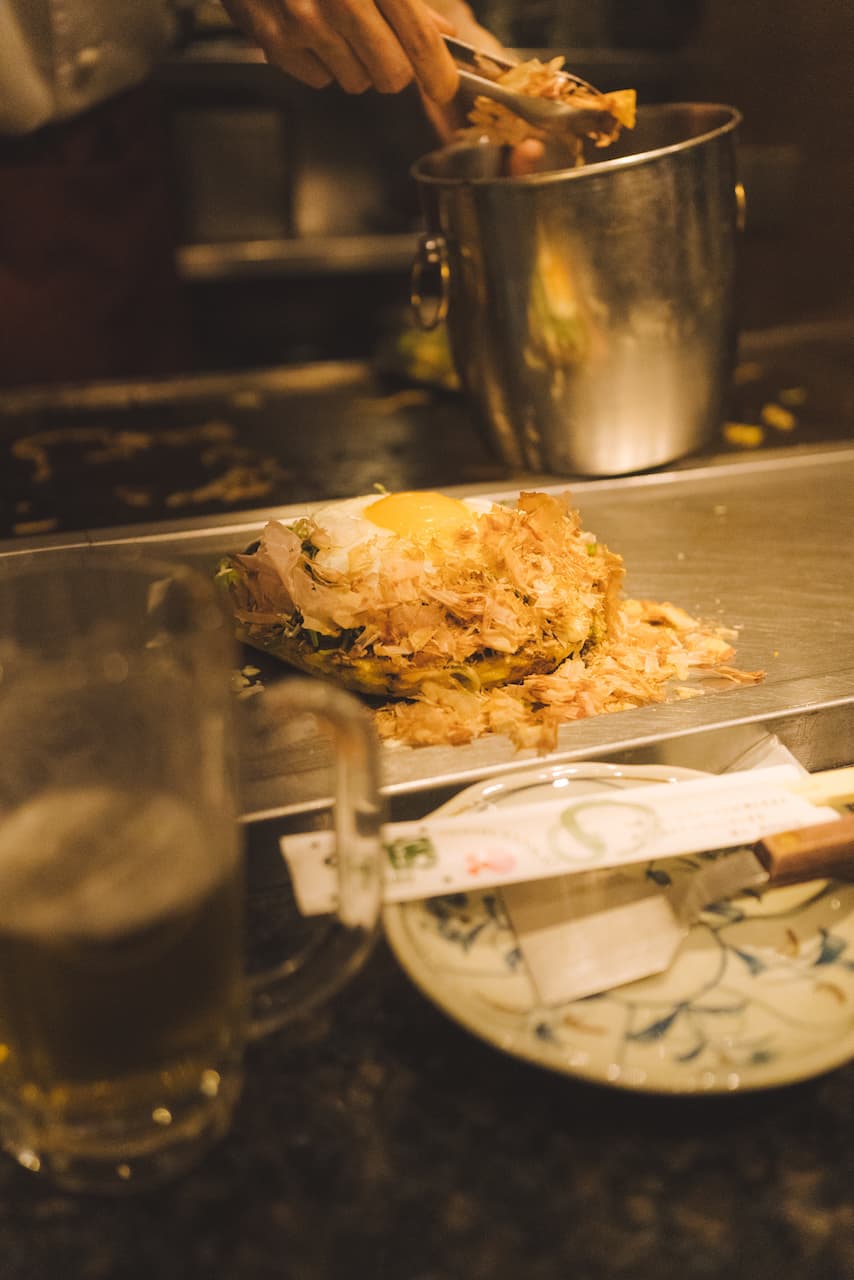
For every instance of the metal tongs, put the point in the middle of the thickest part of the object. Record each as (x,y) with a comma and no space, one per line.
(545,113)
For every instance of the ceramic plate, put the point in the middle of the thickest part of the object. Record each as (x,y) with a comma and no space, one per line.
(761,992)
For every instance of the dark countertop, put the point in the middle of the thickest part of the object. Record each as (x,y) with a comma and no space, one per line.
(383,1141)
(380,1139)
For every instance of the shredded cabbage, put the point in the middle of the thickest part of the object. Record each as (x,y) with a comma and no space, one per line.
(499,124)
(515,625)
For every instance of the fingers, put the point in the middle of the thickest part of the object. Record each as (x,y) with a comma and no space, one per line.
(302,65)
(383,44)
(338,59)
(445,25)
(457,16)
(526,158)
(414,25)
(365,29)
(446,118)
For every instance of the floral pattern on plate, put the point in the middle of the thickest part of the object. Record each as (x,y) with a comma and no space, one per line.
(760,994)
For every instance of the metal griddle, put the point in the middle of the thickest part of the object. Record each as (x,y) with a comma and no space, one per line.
(764,546)
(137,452)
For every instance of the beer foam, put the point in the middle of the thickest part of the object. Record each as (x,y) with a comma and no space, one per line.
(98,861)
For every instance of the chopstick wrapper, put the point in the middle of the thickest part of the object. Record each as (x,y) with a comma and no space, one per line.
(446,853)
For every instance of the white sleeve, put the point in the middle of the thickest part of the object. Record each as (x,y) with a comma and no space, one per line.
(59,57)
(26,98)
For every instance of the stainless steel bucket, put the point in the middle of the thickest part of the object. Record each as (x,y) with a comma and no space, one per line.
(591,310)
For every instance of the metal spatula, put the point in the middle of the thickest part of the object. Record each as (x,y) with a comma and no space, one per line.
(545,113)
(580,939)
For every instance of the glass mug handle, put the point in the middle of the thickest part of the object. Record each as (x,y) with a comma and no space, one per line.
(290,988)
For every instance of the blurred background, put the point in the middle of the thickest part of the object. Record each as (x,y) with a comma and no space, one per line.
(298,217)
(270,355)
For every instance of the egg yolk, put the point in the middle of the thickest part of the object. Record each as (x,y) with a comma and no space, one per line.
(421,514)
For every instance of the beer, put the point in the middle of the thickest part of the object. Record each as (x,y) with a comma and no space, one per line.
(121,980)
(124,1004)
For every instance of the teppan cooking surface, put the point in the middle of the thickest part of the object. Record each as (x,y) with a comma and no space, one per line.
(761,546)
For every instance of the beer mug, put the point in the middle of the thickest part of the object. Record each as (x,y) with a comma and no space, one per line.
(124,1002)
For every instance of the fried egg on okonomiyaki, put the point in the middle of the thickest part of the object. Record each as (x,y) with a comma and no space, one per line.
(384,592)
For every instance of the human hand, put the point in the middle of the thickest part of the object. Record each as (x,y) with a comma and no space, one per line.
(360,44)
(448,119)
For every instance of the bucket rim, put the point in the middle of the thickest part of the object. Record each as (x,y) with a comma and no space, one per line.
(551,176)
